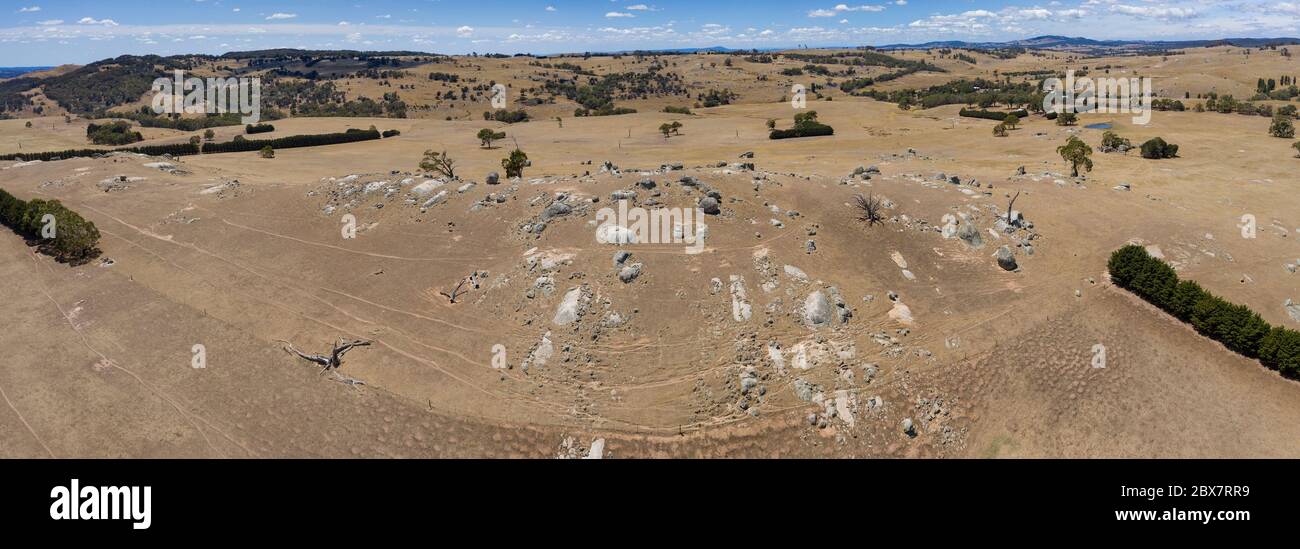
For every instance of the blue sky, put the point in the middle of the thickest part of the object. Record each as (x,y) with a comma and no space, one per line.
(39,32)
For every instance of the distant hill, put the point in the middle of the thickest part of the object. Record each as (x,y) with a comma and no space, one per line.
(1066,42)
(14,72)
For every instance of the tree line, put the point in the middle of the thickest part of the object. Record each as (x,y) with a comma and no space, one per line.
(239,144)
(55,230)
(1237,327)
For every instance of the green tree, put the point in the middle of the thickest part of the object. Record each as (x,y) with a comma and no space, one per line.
(1011,121)
(771,123)
(1156,148)
(1067,119)
(440,163)
(515,163)
(1124,264)
(1112,140)
(1280,349)
(1184,298)
(208,134)
(1077,154)
(1000,130)
(267,152)
(75,238)
(486,136)
(805,118)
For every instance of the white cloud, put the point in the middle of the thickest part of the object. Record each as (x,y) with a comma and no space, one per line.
(616,14)
(275,16)
(844,8)
(93,21)
(32,9)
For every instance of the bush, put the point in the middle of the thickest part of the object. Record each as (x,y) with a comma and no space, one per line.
(515,163)
(115,133)
(1157,148)
(508,116)
(1000,130)
(1112,141)
(1067,119)
(677,110)
(1282,127)
(486,136)
(267,152)
(260,128)
(391,133)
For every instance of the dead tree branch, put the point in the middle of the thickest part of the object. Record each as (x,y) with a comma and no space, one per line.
(328,362)
(472,280)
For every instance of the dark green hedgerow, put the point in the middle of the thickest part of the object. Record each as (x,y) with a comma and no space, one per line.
(1235,326)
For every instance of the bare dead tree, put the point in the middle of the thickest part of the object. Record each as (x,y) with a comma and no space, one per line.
(456,292)
(869,209)
(472,280)
(328,362)
(1012,204)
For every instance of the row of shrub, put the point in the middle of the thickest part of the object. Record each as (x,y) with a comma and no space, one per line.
(179,149)
(993,115)
(805,125)
(259,128)
(1235,326)
(507,116)
(804,130)
(186,149)
(64,235)
(294,141)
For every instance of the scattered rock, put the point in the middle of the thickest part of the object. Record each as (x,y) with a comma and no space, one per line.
(630,273)
(710,205)
(556,209)
(1006,259)
(816,309)
(570,308)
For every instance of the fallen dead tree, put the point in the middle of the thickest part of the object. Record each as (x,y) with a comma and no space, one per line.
(331,361)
